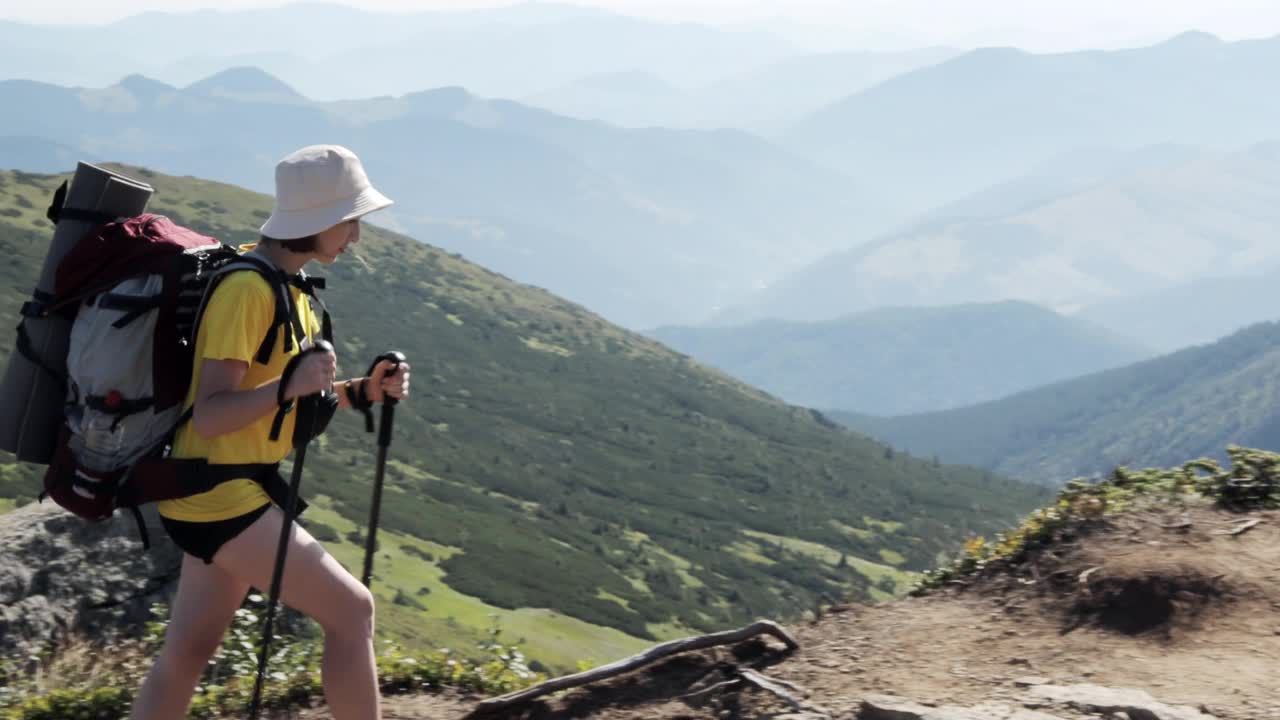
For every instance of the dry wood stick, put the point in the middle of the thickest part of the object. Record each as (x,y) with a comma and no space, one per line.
(1246,527)
(770,685)
(626,665)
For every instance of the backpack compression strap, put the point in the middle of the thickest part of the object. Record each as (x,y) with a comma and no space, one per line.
(58,211)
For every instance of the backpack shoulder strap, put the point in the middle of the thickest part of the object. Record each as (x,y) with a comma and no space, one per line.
(285,314)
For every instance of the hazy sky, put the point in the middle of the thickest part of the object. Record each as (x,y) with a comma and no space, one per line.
(1034,24)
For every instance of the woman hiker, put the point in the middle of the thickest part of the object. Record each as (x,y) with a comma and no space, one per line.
(229,534)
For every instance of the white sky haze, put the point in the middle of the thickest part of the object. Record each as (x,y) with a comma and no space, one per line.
(1032,24)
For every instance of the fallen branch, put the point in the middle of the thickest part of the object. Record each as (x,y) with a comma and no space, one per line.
(626,665)
(773,686)
(1244,528)
(709,690)
(788,685)
(1084,576)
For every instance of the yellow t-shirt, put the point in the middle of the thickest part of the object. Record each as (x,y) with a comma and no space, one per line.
(235,322)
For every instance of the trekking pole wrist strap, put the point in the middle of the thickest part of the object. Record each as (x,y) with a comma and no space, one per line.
(395,358)
(359,400)
(286,405)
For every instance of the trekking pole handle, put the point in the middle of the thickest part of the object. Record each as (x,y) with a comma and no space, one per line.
(396,359)
(327,347)
(387,419)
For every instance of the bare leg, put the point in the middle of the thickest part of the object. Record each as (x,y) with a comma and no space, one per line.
(317,585)
(206,602)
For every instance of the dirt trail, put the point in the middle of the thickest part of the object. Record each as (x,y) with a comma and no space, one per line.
(1166,602)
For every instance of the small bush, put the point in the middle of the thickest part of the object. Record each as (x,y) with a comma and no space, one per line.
(358,538)
(404,600)
(107,703)
(418,553)
(322,532)
(1252,482)
(294,675)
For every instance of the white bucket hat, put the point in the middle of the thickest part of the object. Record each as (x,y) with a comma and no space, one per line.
(318,187)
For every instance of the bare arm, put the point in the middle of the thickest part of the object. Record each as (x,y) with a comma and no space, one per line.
(221,407)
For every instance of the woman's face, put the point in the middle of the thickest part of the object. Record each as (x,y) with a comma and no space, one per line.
(333,242)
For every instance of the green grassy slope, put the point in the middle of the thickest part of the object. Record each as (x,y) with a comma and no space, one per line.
(571,465)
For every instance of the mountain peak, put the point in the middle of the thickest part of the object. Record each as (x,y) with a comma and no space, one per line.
(143,86)
(1193,39)
(440,101)
(245,82)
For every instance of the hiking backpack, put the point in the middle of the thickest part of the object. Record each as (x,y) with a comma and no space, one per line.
(136,289)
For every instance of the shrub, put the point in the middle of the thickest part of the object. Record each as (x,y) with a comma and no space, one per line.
(1252,482)
(227,687)
(322,532)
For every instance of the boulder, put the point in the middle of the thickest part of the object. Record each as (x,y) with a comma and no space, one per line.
(1137,704)
(62,576)
(888,707)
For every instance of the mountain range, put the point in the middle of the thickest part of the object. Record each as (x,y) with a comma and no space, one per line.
(893,361)
(989,115)
(1083,230)
(507,51)
(647,227)
(1193,313)
(1064,201)
(763,100)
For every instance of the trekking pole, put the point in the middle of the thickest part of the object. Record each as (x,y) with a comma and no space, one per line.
(282,547)
(385,424)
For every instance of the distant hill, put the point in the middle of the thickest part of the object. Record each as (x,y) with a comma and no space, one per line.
(647,227)
(548,459)
(40,155)
(770,99)
(764,99)
(906,360)
(248,84)
(1192,313)
(991,114)
(632,98)
(1078,232)
(1188,404)
(368,54)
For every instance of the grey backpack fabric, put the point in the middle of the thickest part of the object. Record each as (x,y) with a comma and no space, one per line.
(111,415)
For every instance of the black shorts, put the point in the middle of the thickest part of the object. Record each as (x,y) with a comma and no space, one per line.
(203,539)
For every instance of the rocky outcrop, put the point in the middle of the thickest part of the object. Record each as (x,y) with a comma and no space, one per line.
(61,576)
(1135,704)
(888,707)
(1109,702)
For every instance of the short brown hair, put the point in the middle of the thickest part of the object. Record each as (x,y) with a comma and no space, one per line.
(298,245)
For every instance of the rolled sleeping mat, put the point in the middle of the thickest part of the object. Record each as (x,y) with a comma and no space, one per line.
(34,387)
